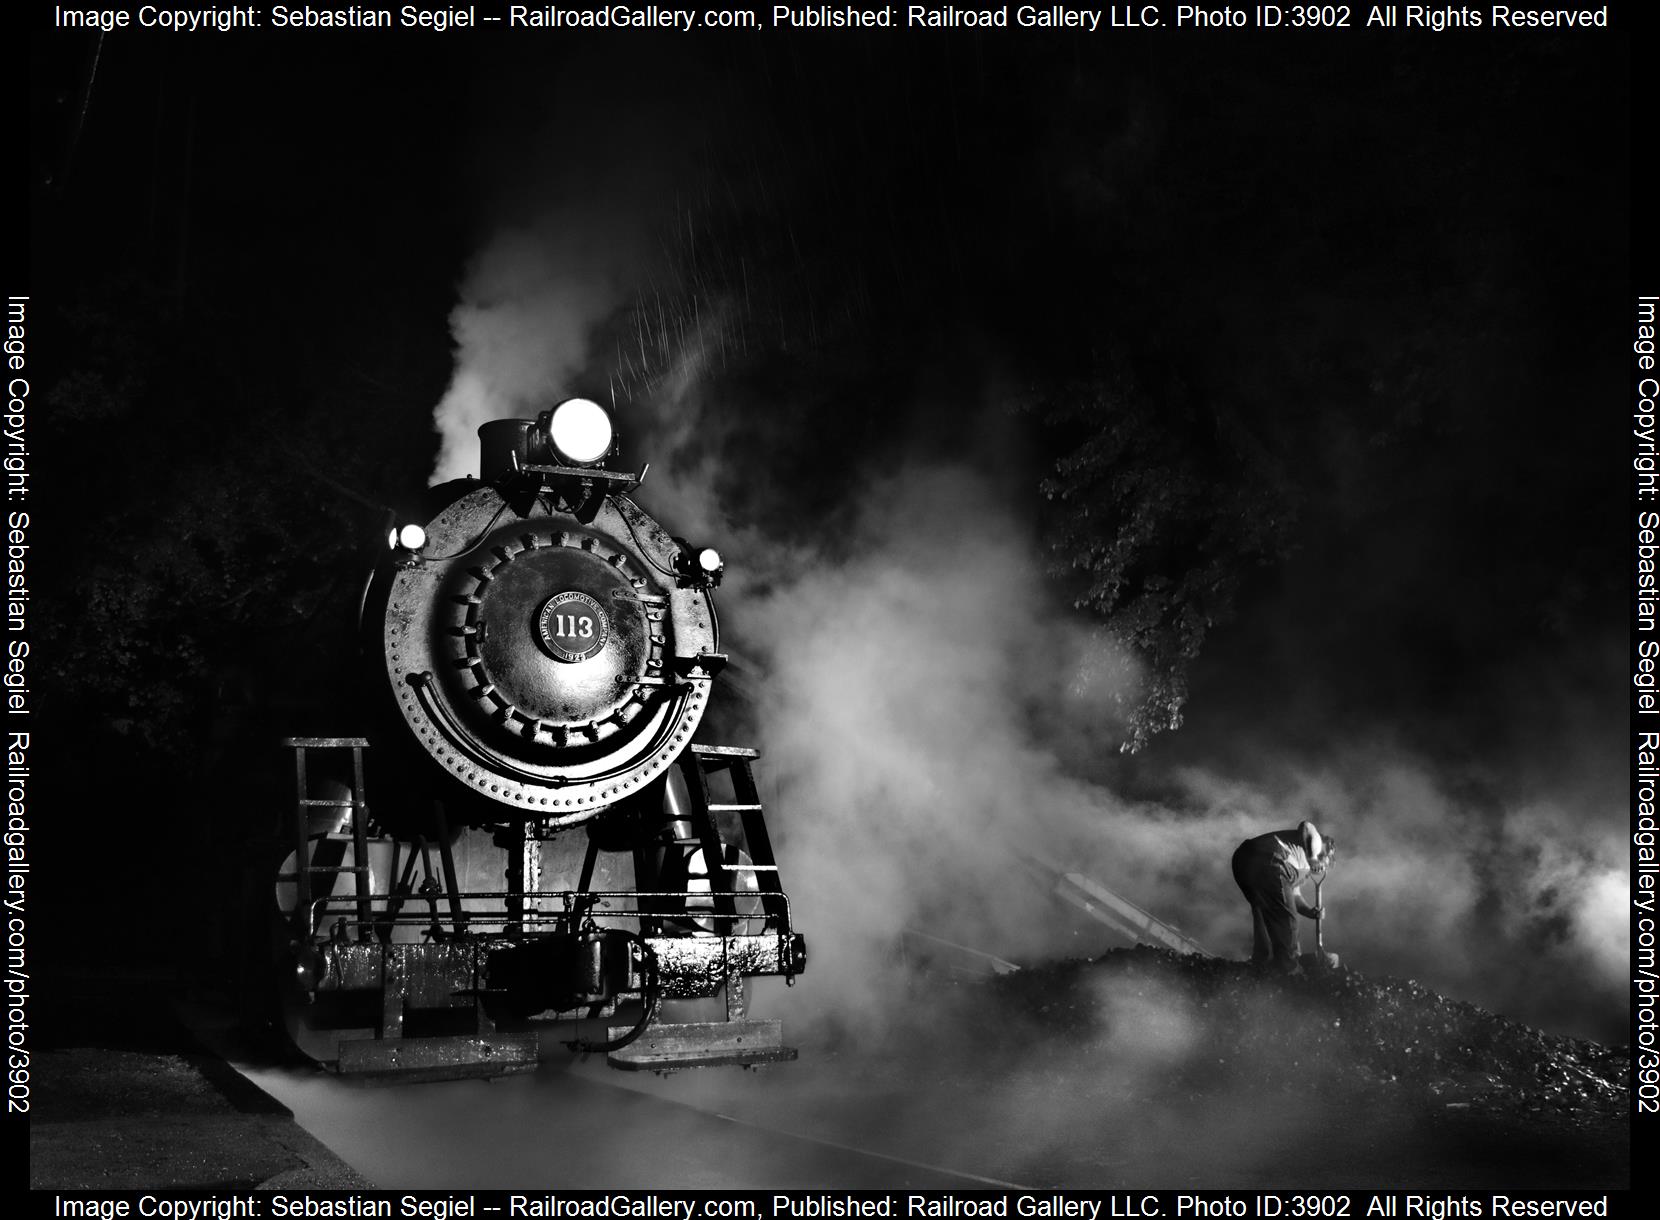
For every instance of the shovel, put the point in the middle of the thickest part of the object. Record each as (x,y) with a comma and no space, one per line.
(1322,959)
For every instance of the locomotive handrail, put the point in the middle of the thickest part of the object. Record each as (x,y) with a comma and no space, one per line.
(462,740)
(585,895)
(425,682)
(469,548)
(626,509)
(532,916)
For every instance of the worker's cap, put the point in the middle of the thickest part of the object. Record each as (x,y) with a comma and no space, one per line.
(1313,842)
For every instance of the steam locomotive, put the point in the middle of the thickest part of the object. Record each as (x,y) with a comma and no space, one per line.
(551,857)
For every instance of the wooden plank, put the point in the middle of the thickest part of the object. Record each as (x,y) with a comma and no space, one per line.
(1097,900)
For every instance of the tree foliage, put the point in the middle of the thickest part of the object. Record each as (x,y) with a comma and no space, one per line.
(1158,512)
(205,530)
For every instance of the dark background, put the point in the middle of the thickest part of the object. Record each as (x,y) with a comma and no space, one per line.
(1336,323)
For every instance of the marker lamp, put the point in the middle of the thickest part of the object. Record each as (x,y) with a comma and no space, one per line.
(409,537)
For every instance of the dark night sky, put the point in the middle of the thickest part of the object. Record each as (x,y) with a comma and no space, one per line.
(1397,264)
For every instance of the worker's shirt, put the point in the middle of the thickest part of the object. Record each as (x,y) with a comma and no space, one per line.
(1285,849)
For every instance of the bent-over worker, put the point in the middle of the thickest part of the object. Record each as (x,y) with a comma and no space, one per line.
(1270,870)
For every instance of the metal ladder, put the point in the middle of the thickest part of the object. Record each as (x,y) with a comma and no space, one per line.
(739,1039)
(305,861)
(697,764)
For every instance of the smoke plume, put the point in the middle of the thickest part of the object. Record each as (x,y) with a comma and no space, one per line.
(530,303)
(928,699)
(578,237)
(931,708)
(924,697)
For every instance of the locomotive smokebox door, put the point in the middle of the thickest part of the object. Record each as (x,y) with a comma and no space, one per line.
(541,674)
(550,665)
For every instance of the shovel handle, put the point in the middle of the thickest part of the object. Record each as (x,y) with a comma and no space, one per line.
(1319,932)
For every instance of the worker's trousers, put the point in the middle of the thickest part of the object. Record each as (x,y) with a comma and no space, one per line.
(1267,884)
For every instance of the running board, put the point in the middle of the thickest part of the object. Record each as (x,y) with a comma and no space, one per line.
(454,1058)
(663,1048)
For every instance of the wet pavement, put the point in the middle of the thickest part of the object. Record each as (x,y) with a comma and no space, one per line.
(1131,1071)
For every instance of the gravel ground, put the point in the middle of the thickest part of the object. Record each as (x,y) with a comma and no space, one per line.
(1336,1031)
(1143,1069)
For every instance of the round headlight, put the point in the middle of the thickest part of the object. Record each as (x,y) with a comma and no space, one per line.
(412,537)
(709,560)
(580,431)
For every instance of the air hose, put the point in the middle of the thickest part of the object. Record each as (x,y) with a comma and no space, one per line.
(650,995)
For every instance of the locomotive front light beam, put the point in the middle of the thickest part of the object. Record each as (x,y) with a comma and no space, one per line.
(579,431)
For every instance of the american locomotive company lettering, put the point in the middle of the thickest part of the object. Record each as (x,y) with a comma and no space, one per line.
(572,626)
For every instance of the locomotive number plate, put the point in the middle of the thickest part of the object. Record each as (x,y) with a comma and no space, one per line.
(573,627)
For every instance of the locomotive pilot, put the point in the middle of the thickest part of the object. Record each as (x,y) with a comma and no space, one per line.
(1271,869)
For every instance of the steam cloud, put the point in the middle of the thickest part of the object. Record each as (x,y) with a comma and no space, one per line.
(926,698)
(578,239)
(925,704)
(920,693)
(924,691)
(522,329)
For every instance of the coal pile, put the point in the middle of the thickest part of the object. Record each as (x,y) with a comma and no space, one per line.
(1331,1032)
